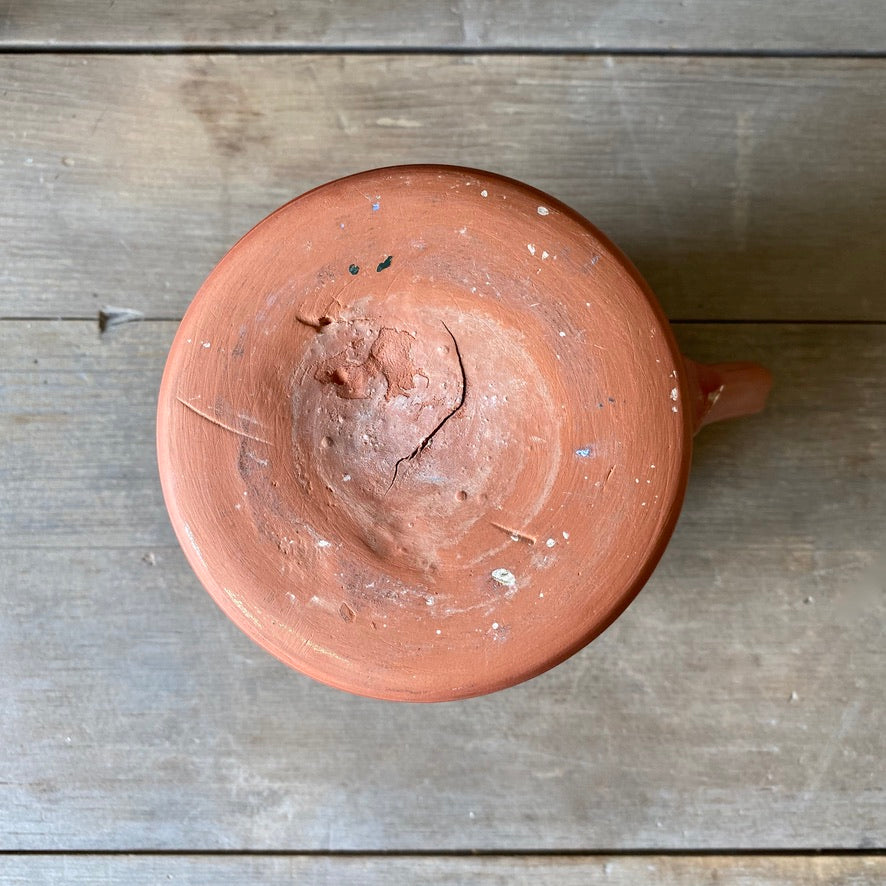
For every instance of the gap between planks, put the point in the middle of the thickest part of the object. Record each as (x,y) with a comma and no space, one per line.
(426,50)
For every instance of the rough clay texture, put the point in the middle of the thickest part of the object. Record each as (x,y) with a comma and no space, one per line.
(422,433)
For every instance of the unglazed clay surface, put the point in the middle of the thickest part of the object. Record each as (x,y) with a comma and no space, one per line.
(422,433)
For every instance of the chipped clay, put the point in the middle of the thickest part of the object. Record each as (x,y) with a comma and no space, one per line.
(401,409)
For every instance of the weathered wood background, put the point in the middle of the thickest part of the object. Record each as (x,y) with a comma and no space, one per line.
(726,728)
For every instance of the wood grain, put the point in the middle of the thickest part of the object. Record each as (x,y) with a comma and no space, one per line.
(744,188)
(736,705)
(486,871)
(668,25)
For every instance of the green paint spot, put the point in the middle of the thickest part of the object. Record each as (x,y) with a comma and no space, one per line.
(385,264)
(354,269)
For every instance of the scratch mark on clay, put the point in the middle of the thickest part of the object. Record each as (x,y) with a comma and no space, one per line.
(242,607)
(515,533)
(608,475)
(323,650)
(219,423)
(194,544)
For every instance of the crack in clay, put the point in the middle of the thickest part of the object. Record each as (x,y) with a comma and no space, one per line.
(515,533)
(220,423)
(426,441)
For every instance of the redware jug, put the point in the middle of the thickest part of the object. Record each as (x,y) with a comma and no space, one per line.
(424,432)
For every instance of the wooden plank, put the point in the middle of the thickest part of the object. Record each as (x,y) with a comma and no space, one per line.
(736,705)
(743,188)
(806,25)
(717,870)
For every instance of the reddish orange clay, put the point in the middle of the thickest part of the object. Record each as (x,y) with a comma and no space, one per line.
(424,432)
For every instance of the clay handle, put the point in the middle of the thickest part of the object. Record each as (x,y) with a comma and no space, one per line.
(726,390)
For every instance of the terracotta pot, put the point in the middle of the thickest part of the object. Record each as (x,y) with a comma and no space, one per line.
(424,432)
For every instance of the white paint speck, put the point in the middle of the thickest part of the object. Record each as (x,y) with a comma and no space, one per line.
(429,601)
(484,193)
(346,478)
(545,254)
(674,409)
(566,535)
(438,632)
(562,334)
(206,344)
(674,393)
(504,577)
(550,543)
(543,210)
(531,248)
(495,626)
(323,543)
